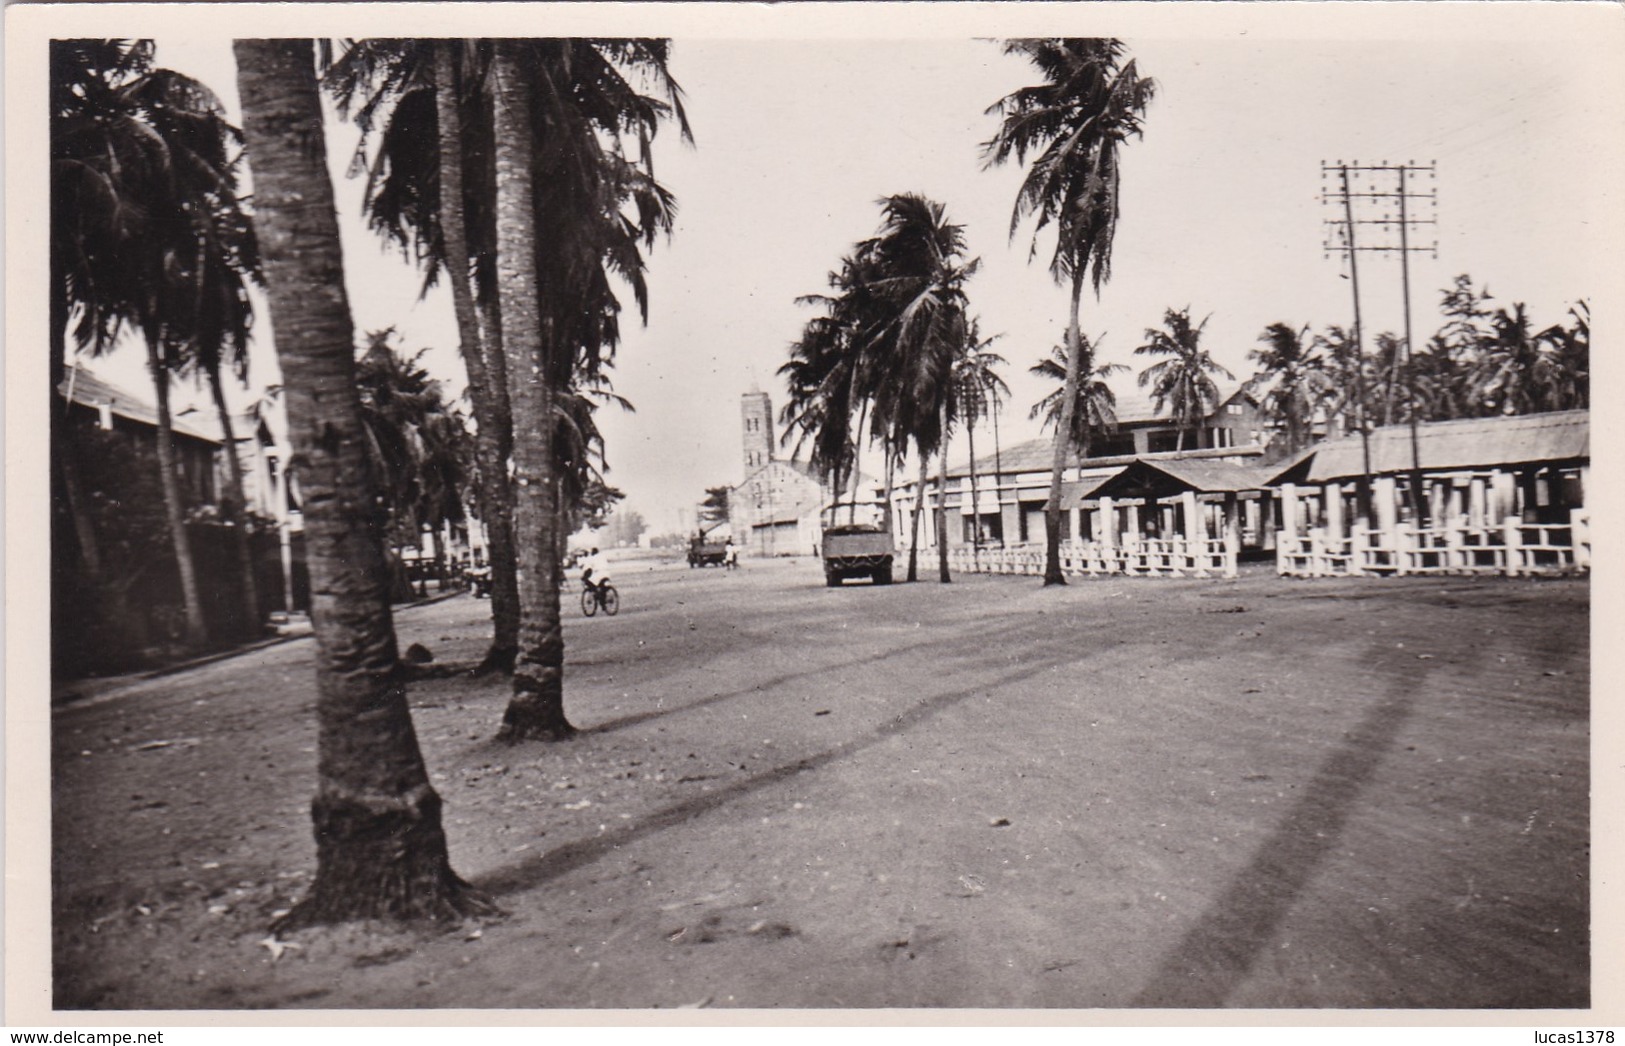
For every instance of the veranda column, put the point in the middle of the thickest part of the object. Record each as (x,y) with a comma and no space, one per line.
(1232,532)
(1287,550)
(1384,496)
(1194,530)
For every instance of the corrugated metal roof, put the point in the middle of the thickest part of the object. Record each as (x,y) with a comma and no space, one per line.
(88,390)
(1038,455)
(1167,477)
(1465,444)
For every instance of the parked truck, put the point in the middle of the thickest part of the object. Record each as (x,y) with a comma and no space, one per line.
(707,551)
(856,541)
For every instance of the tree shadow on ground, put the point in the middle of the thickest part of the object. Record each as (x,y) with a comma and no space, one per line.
(542,868)
(636,718)
(1215,956)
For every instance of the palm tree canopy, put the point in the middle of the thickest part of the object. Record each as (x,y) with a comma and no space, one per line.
(416,439)
(1292,380)
(146,226)
(1090,102)
(1095,408)
(914,319)
(1183,382)
(978,386)
(885,342)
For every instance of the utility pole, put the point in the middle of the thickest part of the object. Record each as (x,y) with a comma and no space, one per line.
(1386,225)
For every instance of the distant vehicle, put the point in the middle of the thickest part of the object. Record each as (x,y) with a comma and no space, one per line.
(706,551)
(856,542)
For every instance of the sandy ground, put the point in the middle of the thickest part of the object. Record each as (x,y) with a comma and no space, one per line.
(1249,793)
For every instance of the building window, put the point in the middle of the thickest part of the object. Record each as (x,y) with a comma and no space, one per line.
(1233,409)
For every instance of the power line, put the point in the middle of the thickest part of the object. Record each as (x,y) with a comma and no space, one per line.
(1342,239)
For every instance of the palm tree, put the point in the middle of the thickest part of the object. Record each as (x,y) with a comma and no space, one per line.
(1294,374)
(415,441)
(1336,346)
(594,209)
(1183,381)
(829,375)
(1570,347)
(429,190)
(380,845)
(536,709)
(914,325)
(1514,375)
(227,259)
(979,389)
(143,205)
(1090,102)
(1094,411)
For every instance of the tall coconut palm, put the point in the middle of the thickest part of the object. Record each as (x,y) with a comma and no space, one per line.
(536,709)
(1570,347)
(415,439)
(596,205)
(979,389)
(380,845)
(142,189)
(1514,375)
(429,189)
(227,260)
(1182,383)
(915,326)
(1089,103)
(1094,412)
(1291,380)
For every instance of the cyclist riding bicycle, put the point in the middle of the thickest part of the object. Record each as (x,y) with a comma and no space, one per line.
(595,570)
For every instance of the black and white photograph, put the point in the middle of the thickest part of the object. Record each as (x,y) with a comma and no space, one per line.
(618,509)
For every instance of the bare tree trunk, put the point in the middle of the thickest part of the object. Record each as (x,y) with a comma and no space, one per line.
(975,500)
(196,631)
(919,511)
(1063,441)
(487,391)
(942,505)
(238,515)
(998,476)
(857,471)
(380,846)
(536,709)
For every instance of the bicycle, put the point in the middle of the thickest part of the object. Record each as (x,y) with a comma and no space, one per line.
(595,596)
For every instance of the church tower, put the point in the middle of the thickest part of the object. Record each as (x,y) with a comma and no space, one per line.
(756,415)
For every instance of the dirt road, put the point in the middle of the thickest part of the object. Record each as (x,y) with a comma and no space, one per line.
(1250,793)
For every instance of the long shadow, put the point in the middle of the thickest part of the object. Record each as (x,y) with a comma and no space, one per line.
(1219,951)
(541,868)
(635,718)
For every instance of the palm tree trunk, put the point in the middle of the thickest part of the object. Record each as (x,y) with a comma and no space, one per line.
(380,847)
(238,514)
(536,709)
(1063,440)
(942,505)
(196,631)
(494,436)
(919,511)
(975,500)
(891,524)
(61,449)
(998,474)
(857,447)
(84,528)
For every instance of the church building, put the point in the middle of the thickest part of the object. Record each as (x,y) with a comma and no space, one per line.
(775,511)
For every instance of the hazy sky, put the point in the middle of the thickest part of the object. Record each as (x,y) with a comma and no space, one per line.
(796,139)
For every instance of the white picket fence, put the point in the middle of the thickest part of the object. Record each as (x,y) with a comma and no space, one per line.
(1147,557)
(1514,549)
